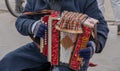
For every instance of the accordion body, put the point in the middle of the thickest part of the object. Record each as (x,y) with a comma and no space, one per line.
(62,46)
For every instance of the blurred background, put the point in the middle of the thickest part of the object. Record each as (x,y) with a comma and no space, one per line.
(108,60)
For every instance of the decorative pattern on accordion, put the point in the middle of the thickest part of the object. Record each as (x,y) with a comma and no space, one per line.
(65,37)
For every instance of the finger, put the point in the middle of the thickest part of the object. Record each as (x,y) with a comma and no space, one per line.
(44,26)
(89,44)
(86,50)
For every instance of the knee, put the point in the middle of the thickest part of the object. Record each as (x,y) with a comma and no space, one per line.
(8,58)
(7,62)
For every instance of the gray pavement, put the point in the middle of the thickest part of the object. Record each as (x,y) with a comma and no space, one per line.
(10,39)
(109,59)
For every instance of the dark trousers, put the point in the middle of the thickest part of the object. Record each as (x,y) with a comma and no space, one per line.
(27,58)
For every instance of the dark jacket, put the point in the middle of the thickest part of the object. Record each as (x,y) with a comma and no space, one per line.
(89,7)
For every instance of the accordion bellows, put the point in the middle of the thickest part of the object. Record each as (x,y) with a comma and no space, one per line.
(66,35)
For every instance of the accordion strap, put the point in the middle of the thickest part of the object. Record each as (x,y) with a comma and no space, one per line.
(39,12)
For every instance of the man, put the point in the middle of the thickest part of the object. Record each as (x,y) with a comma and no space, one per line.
(116,10)
(28,56)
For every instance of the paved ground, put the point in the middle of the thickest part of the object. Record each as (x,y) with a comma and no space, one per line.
(109,59)
(10,39)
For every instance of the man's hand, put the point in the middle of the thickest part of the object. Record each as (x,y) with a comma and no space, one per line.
(88,52)
(39,29)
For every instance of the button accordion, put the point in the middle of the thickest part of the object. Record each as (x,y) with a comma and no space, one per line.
(66,35)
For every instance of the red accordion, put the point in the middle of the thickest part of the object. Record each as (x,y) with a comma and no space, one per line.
(66,35)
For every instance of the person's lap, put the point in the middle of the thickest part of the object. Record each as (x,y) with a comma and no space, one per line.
(26,58)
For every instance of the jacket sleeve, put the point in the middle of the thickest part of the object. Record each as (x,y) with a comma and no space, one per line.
(92,10)
(24,22)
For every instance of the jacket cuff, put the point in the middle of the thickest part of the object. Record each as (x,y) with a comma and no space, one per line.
(101,44)
(34,25)
(30,27)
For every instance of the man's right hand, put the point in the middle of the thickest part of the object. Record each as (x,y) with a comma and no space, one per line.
(39,28)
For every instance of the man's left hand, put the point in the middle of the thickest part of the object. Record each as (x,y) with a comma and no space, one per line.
(88,52)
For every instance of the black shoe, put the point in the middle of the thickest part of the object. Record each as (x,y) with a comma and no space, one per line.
(118,29)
